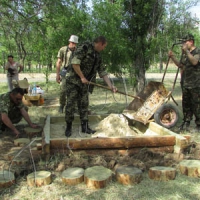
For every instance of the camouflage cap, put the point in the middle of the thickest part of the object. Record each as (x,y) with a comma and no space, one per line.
(188,37)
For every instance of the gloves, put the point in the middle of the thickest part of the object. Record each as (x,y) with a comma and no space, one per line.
(11,71)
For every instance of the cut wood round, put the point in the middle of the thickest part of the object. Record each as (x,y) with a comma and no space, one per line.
(32,131)
(190,168)
(73,176)
(128,175)
(161,173)
(97,177)
(21,141)
(39,178)
(7,178)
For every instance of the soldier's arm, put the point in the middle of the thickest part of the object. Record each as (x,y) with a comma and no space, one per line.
(77,69)
(27,118)
(193,59)
(6,120)
(20,68)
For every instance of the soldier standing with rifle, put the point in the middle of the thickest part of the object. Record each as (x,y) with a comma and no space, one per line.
(190,64)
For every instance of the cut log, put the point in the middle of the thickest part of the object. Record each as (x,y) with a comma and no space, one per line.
(161,173)
(21,141)
(31,132)
(7,178)
(97,177)
(190,168)
(73,176)
(128,175)
(113,143)
(39,178)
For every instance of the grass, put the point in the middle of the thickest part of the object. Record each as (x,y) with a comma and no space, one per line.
(103,102)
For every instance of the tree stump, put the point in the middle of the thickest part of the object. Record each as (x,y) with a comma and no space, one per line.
(21,141)
(39,178)
(190,168)
(31,132)
(128,175)
(73,176)
(97,177)
(161,173)
(7,178)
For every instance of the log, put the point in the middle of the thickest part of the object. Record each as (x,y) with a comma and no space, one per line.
(161,173)
(115,152)
(113,143)
(31,132)
(128,175)
(97,177)
(39,178)
(21,141)
(190,168)
(73,176)
(7,178)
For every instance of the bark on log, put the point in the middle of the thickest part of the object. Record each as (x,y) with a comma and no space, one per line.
(39,178)
(160,173)
(7,178)
(115,152)
(73,176)
(190,168)
(128,175)
(113,143)
(97,177)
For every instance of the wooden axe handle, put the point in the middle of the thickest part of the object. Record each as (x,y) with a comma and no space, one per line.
(107,88)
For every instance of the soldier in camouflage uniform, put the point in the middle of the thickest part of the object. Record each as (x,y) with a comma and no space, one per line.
(64,58)
(12,110)
(190,64)
(85,65)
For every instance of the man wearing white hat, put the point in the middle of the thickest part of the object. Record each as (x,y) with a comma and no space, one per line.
(64,59)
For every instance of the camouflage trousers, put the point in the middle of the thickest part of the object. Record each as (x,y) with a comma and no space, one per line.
(191,104)
(62,98)
(76,95)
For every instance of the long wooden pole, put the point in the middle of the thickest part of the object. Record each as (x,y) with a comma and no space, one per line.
(107,88)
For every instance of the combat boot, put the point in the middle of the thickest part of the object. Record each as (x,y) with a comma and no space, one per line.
(85,128)
(61,108)
(68,131)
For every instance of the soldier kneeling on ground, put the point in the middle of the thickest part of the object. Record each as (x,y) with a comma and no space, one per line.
(12,110)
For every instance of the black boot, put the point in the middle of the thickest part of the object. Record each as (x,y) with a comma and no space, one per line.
(61,108)
(86,128)
(68,131)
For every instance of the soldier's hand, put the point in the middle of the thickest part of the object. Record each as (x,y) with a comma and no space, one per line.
(114,89)
(17,133)
(84,80)
(184,47)
(32,125)
(58,79)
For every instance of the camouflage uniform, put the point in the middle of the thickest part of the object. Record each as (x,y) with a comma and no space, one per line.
(191,88)
(90,63)
(64,54)
(12,110)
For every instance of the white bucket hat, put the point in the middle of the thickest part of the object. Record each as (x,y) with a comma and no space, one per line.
(73,38)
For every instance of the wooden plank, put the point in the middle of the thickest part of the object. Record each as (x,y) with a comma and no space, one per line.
(112,143)
(46,136)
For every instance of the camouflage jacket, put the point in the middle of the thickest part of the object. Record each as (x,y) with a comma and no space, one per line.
(7,106)
(191,75)
(90,62)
